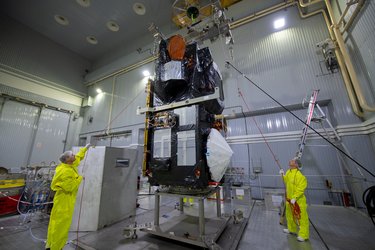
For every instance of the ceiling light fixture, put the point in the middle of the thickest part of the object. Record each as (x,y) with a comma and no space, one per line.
(139,8)
(146,73)
(61,20)
(279,23)
(84,3)
(99,90)
(92,40)
(113,26)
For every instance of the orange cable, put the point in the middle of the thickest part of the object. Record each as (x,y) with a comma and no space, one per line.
(260,131)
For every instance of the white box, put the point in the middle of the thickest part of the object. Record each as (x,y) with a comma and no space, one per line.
(273,198)
(109,189)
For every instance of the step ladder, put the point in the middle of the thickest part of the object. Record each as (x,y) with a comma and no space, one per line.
(317,115)
(309,117)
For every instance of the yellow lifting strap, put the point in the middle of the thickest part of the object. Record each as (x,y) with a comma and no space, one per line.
(12,183)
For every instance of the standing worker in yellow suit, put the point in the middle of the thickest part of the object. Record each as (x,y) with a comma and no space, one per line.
(296,184)
(65,183)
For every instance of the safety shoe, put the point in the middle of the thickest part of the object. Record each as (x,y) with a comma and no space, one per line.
(286,230)
(300,239)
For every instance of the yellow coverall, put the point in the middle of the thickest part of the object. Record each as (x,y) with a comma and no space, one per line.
(65,183)
(296,184)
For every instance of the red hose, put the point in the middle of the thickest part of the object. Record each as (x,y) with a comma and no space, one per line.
(296,211)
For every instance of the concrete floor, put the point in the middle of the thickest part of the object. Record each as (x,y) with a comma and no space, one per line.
(339,228)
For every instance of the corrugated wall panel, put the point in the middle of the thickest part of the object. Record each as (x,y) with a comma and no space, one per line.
(273,123)
(284,63)
(364,25)
(118,112)
(96,117)
(360,41)
(130,93)
(359,147)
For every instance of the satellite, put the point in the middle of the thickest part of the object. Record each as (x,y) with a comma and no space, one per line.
(184,149)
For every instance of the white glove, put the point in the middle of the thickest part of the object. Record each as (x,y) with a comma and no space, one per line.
(293,201)
(281,172)
(88,145)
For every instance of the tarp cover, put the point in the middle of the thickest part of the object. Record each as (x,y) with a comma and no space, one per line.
(218,155)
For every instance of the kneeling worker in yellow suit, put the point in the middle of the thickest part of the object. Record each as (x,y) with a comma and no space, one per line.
(65,183)
(296,184)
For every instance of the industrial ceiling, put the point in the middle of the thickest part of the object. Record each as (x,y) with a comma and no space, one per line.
(91,28)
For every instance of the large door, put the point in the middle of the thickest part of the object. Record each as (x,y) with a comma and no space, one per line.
(30,135)
(17,123)
(50,136)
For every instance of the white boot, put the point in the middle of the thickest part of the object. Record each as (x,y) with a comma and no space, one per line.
(286,230)
(300,239)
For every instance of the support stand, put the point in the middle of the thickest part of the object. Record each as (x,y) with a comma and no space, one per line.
(199,231)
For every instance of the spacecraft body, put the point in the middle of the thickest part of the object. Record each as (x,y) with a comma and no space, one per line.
(176,137)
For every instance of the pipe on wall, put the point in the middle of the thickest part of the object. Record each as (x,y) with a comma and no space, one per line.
(354,97)
(302,4)
(353,75)
(349,88)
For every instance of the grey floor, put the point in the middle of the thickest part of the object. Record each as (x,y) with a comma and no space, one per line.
(338,227)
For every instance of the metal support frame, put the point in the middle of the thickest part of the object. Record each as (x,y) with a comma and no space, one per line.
(183,103)
(201,199)
(209,228)
(218,207)
(157,209)
(201,216)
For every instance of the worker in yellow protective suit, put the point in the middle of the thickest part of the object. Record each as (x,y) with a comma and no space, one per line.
(188,201)
(65,183)
(296,184)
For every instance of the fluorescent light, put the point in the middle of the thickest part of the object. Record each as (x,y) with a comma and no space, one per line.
(146,73)
(279,23)
(99,91)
